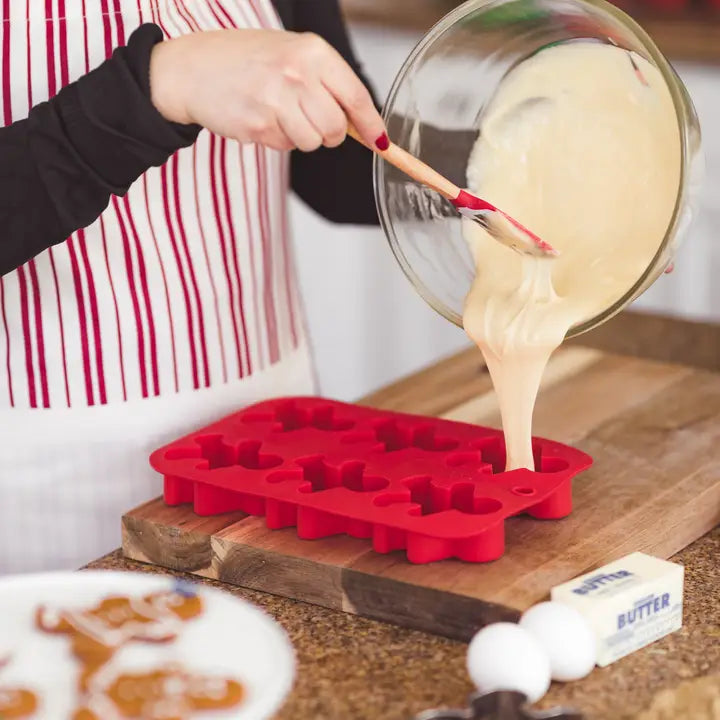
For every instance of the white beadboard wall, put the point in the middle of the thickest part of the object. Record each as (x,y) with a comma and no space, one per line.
(367,325)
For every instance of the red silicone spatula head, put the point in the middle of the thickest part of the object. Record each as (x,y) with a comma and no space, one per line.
(501,226)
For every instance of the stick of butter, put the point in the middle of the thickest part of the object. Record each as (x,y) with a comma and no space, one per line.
(629,603)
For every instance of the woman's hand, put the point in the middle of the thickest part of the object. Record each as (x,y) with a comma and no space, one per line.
(281,89)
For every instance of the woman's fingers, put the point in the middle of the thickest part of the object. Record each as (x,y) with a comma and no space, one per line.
(298,128)
(325,115)
(355,99)
(268,132)
(274,88)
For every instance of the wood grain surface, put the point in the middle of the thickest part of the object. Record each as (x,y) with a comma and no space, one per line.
(653,429)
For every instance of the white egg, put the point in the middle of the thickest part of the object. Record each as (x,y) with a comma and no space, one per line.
(565,636)
(504,656)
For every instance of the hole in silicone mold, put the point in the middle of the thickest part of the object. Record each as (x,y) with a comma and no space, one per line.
(390,499)
(350,475)
(492,450)
(527,491)
(421,493)
(400,437)
(552,464)
(292,417)
(461,498)
(247,454)
(486,506)
(464,458)
(433,500)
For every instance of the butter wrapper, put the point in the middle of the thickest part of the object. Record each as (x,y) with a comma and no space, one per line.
(629,603)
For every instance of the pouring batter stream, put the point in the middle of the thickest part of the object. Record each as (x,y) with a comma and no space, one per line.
(581,144)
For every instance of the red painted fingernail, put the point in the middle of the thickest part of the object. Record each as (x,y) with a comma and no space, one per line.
(383,142)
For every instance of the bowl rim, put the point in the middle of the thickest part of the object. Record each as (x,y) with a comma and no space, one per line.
(687,122)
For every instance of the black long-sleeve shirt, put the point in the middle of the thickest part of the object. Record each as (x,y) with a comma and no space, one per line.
(59,167)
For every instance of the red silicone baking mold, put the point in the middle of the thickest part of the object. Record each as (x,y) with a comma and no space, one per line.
(433,487)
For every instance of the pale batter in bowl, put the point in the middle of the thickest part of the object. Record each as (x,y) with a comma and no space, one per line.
(580,144)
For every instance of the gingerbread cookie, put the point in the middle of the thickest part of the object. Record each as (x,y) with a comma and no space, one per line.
(97,633)
(16,703)
(170,693)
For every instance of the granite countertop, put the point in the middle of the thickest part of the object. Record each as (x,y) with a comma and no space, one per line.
(351,668)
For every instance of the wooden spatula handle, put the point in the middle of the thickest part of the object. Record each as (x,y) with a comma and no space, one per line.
(413,167)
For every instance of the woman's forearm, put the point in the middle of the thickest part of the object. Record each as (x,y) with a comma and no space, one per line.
(60,166)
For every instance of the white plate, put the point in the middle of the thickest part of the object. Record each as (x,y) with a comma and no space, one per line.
(231,638)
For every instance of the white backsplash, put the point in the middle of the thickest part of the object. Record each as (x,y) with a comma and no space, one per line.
(368,326)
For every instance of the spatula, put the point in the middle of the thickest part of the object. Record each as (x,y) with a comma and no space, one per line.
(498,224)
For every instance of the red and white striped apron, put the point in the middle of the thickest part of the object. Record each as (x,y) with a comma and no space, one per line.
(178,305)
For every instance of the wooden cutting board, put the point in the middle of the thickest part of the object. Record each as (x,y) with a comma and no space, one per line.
(652,428)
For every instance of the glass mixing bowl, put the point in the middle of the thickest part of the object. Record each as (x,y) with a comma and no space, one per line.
(433,111)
